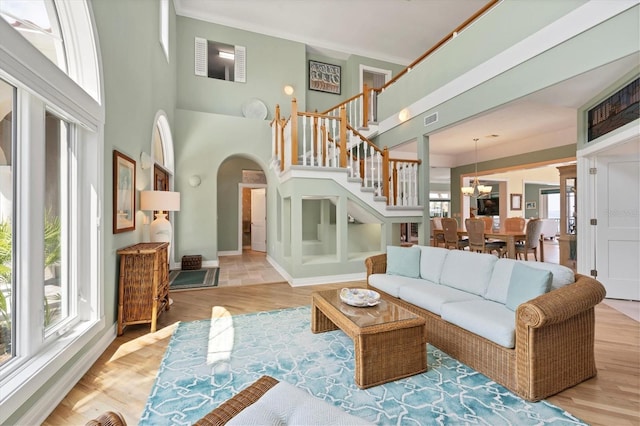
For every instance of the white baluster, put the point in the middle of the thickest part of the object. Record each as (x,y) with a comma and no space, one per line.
(304,141)
(331,155)
(379,169)
(358,161)
(399,184)
(405,195)
(391,193)
(415,184)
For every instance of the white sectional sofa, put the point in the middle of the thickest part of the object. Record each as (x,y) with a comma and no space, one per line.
(527,325)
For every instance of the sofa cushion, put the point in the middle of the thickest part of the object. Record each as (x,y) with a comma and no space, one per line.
(285,404)
(431,261)
(501,277)
(561,274)
(404,261)
(431,297)
(526,283)
(491,320)
(391,284)
(468,271)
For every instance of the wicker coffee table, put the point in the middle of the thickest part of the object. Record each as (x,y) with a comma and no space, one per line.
(389,340)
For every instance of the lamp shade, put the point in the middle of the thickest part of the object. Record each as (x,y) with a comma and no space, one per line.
(160,200)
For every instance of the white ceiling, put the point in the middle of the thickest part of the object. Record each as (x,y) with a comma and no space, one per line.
(338,28)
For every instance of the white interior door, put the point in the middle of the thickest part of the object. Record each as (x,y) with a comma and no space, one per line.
(259,219)
(618,229)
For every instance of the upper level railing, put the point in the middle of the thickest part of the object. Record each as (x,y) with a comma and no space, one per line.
(321,140)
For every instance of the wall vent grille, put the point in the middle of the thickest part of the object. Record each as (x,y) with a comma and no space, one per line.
(430,119)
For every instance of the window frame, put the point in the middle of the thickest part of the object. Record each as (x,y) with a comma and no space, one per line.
(40,357)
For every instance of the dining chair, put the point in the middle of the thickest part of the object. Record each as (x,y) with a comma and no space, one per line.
(488,223)
(439,238)
(451,239)
(477,240)
(531,242)
(514,224)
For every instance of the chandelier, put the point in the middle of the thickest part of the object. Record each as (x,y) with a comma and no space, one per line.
(476,190)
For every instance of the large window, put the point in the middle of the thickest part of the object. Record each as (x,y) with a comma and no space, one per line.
(50,197)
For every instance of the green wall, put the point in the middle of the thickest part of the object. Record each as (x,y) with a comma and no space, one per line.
(203,141)
(271,63)
(350,79)
(481,41)
(134,67)
(613,39)
(532,193)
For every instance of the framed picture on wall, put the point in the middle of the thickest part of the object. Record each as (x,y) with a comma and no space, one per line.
(530,205)
(324,77)
(124,193)
(516,201)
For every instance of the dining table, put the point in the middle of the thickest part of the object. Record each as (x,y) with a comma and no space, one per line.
(509,237)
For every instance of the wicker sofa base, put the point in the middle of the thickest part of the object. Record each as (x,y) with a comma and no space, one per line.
(555,337)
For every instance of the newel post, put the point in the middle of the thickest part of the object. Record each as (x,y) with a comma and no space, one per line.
(343,136)
(294,132)
(385,173)
(276,132)
(365,105)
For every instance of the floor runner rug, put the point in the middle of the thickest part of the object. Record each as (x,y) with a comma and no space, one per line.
(209,361)
(189,280)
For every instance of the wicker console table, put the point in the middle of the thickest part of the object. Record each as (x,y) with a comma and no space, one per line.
(389,340)
(143,292)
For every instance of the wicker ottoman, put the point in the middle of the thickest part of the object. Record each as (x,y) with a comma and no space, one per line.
(190,262)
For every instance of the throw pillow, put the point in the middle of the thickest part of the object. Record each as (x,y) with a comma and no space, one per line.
(525,284)
(403,261)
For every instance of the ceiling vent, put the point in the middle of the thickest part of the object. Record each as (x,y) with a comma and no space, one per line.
(430,119)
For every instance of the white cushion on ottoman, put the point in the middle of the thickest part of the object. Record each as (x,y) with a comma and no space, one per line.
(285,404)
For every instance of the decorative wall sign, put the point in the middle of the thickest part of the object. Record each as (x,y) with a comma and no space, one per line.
(530,205)
(619,109)
(124,191)
(324,77)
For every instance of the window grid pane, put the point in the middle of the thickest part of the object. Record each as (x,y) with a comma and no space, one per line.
(56,284)
(7,173)
(37,21)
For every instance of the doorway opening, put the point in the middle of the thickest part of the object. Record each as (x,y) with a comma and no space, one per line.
(374,78)
(253,211)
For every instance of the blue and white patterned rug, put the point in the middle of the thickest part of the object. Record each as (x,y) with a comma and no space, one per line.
(209,361)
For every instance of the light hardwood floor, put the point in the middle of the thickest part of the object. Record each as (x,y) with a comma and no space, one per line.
(123,376)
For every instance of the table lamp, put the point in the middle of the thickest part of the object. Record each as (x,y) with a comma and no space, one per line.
(163,202)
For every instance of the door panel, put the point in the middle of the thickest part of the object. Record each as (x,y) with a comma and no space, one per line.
(258,219)
(618,229)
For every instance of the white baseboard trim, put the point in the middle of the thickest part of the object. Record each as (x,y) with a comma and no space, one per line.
(325,279)
(279,269)
(230,253)
(42,408)
(210,264)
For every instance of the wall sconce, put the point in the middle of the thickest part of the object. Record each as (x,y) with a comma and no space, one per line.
(403,115)
(288,90)
(194,181)
(145,160)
